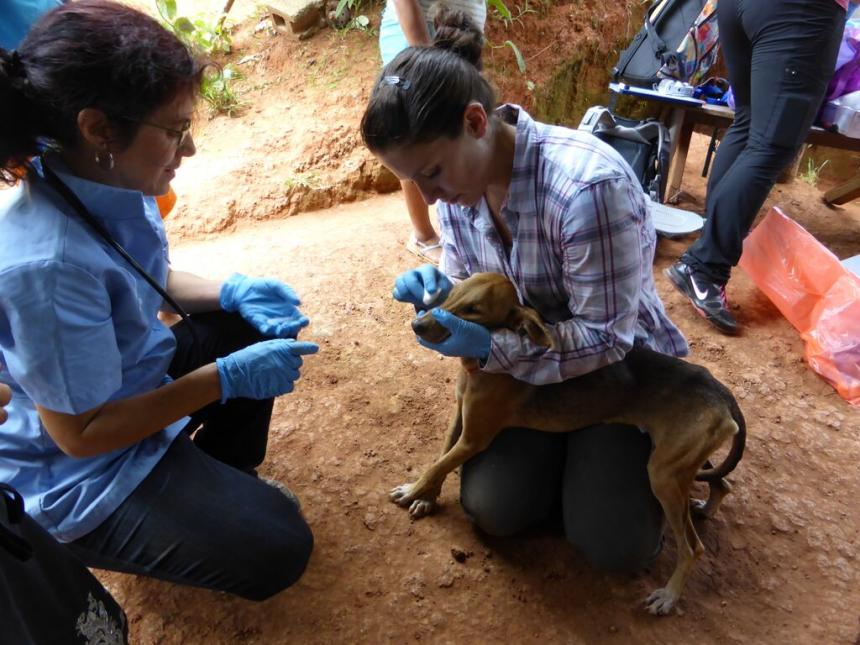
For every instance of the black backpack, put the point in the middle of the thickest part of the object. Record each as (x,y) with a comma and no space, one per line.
(645,145)
(666,24)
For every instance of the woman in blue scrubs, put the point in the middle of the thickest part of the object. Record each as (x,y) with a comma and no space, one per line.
(96,106)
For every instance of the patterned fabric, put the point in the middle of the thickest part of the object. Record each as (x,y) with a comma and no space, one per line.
(582,253)
(698,51)
(97,626)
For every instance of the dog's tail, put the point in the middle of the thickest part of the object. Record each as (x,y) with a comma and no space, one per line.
(711,474)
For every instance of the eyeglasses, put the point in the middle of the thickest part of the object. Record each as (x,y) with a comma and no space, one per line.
(180,135)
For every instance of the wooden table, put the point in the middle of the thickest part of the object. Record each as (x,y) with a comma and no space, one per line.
(683,119)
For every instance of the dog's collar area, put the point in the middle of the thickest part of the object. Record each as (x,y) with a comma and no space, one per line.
(471,365)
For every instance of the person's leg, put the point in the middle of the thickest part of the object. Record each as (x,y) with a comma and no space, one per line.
(707,297)
(423,241)
(736,49)
(610,513)
(515,482)
(197,521)
(794,48)
(235,432)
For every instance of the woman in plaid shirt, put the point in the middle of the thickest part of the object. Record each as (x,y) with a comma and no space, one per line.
(562,215)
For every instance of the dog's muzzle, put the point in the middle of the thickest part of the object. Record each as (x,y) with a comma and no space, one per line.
(427,328)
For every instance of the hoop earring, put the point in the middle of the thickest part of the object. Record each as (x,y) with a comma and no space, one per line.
(104,160)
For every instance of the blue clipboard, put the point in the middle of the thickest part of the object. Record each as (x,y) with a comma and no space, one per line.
(645,93)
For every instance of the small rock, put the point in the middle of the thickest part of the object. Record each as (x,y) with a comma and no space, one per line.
(738,542)
(459,555)
(779,523)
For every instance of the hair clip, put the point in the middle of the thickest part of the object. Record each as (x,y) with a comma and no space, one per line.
(397,81)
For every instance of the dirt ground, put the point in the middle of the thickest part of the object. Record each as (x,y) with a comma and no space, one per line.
(781,562)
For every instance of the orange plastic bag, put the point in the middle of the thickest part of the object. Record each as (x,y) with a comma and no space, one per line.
(817,295)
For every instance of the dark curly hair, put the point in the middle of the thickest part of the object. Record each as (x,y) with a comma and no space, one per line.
(421,94)
(87,54)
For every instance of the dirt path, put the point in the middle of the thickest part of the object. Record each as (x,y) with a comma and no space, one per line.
(782,555)
(781,565)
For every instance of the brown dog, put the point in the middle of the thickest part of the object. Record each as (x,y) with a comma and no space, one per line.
(685,410)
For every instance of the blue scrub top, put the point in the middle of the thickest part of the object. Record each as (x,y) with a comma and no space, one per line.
(17,16)
(78,328)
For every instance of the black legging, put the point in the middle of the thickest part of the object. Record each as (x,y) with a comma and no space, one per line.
(597,476)
(780,56)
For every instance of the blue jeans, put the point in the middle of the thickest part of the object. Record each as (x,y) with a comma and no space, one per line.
(597,476)
(205,520)
(780,56)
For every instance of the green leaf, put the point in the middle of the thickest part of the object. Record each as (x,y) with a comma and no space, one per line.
(521,62)
(340,7)
(167,8)
(500,6)
(184,25)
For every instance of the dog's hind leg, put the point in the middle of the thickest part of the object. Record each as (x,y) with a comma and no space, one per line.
(716,493)
(671,488)
(718,488)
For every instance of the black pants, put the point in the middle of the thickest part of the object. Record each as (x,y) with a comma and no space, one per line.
(220,334)
(199,518)
(47,595)
(780,56)
(597,476)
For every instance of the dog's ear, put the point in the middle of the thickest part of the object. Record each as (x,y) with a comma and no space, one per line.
(528,322)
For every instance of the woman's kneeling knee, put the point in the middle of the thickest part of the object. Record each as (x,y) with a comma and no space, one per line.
(492,517)
(279,563)
(629,556)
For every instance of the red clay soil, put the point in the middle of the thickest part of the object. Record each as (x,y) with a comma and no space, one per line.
(781,562)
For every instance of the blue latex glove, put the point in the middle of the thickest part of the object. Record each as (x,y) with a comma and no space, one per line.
(267,304)
(467,339)
(422,287)
(262,370)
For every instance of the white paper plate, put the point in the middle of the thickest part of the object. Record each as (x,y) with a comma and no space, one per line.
(852,264)
(674,222)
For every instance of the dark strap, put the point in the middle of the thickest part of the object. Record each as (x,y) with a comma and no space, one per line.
(14,544)
(657,44)
(74,201)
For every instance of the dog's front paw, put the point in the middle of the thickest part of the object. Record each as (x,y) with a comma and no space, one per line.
(422,507)
(404,495)
(661,601)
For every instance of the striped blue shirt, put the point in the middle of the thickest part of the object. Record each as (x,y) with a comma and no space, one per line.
(582,254)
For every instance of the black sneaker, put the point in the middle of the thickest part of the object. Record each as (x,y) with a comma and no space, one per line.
(708,298)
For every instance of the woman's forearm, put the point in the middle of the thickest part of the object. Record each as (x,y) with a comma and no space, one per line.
(122,423)
(193,293)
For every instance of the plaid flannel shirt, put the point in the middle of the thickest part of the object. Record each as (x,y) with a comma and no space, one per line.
(582,254)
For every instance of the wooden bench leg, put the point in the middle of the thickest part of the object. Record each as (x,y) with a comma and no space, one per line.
(844,193)
(681,134)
